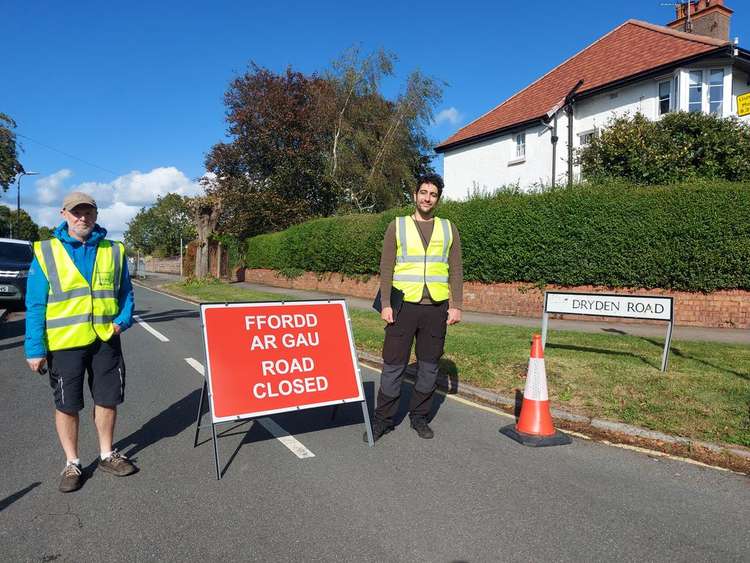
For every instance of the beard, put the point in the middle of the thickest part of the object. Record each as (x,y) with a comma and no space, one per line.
(82,231)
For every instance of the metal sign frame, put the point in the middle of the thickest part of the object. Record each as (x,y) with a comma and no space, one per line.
(207,396)
(670,321)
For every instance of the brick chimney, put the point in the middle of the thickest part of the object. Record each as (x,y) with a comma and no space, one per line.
(706,17)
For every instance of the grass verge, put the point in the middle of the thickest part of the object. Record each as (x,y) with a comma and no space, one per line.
(705,395)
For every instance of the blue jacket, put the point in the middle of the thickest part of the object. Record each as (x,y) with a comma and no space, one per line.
(83,255)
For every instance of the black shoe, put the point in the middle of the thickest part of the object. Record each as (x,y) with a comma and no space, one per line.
(117,464)
(422,428)
(379,429)
(72,478)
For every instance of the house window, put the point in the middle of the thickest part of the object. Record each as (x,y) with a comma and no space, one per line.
(676,92)
(585,138)
(716,91)
(695,91)
(665,98)
(521,145)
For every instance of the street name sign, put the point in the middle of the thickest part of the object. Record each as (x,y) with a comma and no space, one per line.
(644,307)
(273,357)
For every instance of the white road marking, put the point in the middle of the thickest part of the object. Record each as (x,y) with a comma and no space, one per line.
(196,365)
(292,444)
(149,328)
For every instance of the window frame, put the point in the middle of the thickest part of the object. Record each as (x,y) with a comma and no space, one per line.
(669,98)
(589,133)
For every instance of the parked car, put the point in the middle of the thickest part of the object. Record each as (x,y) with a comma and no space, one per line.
(15,260)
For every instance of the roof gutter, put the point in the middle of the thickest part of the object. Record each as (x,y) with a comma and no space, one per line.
(728,49)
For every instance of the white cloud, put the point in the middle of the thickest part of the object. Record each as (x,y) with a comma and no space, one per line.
(49,189)
(118,200)
(449,115)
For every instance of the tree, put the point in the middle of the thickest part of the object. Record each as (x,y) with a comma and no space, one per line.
(27,229)
(45,233)
(305,146)
(9,165)
(206,211)
(158,229)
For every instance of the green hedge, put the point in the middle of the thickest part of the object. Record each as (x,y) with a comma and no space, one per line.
(690,237)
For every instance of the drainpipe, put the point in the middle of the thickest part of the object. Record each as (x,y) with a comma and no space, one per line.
(569,101)
(554,151)
(569,111)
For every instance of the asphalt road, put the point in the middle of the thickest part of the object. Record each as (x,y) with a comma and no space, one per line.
(468,495)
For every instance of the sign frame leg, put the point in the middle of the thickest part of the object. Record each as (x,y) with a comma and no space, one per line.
(368,426)
(216,451)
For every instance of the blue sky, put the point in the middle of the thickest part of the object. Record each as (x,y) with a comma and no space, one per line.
(135,89)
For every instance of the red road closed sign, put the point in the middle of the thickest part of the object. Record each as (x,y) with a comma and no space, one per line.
(265,358)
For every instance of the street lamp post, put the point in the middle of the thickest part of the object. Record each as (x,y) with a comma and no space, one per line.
(18,199)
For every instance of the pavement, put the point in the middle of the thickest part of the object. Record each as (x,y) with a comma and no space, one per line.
(302,486)
(725,335)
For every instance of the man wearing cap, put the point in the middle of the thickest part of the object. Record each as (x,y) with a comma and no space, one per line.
(79,299)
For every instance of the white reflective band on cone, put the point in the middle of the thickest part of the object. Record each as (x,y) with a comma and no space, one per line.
(536,381)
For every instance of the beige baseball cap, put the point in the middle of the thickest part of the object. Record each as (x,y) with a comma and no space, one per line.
(77,198)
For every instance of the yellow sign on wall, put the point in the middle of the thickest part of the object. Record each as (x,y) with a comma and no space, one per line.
(743,104)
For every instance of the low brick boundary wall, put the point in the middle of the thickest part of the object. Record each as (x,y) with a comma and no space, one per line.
(720,309)
(163,265)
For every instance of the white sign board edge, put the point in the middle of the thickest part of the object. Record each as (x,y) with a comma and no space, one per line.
(610,305)
(341,302)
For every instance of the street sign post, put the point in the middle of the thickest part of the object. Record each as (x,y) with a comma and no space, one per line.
(611,305)
(273,357)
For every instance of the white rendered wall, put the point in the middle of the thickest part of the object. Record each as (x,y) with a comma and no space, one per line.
(486,166)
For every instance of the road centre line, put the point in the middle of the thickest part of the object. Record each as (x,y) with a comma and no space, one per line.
(273,428)
(150,329)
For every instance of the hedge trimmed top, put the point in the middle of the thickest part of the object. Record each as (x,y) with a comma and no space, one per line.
(685,237)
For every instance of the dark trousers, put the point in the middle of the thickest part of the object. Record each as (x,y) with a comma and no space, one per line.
(426,324)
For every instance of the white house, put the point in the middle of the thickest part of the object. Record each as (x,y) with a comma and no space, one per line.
(688,65)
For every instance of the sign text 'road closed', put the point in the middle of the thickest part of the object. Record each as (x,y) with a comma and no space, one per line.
(275,357)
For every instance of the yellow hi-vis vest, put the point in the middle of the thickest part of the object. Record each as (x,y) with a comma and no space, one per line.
(416,267)
(78,313)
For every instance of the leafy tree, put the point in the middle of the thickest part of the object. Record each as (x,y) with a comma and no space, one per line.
(157,229)
(305,146)
(26,230)
(45,233)
(378,146)
(9,165)
(680,146)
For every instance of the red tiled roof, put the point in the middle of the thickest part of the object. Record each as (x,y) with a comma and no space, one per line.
(630,49)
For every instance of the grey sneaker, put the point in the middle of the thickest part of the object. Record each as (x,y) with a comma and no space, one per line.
(72,478)
(117,464)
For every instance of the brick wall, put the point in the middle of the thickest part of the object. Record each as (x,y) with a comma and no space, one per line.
(163,265)
(723,309)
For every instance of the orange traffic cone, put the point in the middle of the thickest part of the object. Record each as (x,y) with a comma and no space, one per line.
(534,426)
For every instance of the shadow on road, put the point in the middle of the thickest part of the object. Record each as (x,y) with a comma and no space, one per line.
(295,423)
(10,329)
(166,316)
(170,422)
(7,501)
